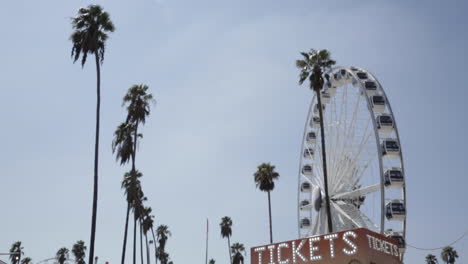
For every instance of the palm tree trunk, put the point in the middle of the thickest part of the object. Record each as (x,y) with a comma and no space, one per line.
(134,238)
(125,234)
(155,247)
(147,249)
(229,246)
(96,159)
(141,243)
(269,212)
(324,160)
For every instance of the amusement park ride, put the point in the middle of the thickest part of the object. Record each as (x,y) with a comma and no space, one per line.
(366,179)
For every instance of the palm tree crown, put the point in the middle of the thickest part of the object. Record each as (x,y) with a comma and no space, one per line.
(226,224)
(123,142)
(265,176)
(314,64)
(449,255)
(431,259)
(79,251)
(132,186)
(26,260)
(147,219)
(16,251)
(237,249)
(62,255)
(163,233)
(90,35)
(138,103)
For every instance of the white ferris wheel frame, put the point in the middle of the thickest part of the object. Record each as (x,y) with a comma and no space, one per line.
(353,76)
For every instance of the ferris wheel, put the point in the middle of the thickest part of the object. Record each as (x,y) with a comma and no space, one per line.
(366,175)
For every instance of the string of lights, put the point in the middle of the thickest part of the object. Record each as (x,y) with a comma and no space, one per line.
(437,248)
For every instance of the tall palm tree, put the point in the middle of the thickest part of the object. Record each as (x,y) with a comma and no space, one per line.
(26,260)
(226,231)
(449,255)
(431,259)
(264,180)
(237,249)
(16,251)
(62,255)
(314,67)
(79,251)
(91,26)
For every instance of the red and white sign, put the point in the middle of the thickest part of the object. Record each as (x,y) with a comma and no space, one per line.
(352,246)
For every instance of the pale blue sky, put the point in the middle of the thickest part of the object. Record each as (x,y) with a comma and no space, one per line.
(224,78)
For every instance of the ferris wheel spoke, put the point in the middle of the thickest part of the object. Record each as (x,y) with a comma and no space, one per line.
(357,193)
(323,223)
(314,180)
(353,211)
(316,227)
(353,218)
(357,176)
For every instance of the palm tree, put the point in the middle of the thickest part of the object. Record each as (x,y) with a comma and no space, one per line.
(431,259)
(132,186)
(162,233)
(264,180)
(147,226)
(237,249)
(91,26)
(226,231)
(26,260)
(138,103)
(313,67)
(79,251)
(163,256)
(62,255)
(449,255)
(154,241)
(123,144)
(16,251)
(137,207)
(212,261)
